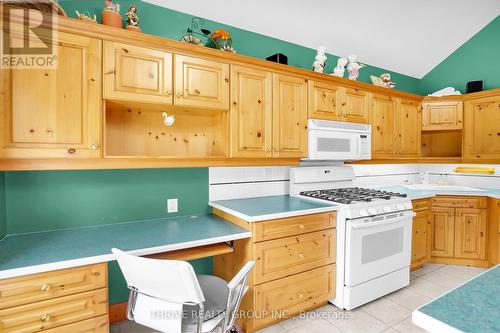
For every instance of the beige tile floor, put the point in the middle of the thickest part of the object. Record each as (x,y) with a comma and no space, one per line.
(389,314)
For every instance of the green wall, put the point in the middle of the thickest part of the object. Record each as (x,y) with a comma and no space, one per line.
(172,24)
(476,59)
(45,200)
(3,221)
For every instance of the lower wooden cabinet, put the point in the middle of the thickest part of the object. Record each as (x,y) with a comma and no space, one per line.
(420,239)
(95,325)
(295,266)
(470,233)
(442,232)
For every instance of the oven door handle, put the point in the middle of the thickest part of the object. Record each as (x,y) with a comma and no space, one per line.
(365,225)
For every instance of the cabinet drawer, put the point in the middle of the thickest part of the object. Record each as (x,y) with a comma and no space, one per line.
(39,287)
(293,294)
(460,202)
(291,255)
(421,204)
(94,325)
(293,226)
(56,312)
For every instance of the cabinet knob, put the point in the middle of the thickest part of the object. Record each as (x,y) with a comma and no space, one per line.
(151,76)
(300,295)
(71,151)
(94,146)
(226,80)
(179,95)
(276,150)
(301,226)
(45,317)
(168,93)
(45,287)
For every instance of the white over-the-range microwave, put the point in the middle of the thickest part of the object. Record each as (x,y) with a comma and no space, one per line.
(338,141)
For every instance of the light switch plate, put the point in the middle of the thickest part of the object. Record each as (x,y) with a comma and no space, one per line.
(172,206)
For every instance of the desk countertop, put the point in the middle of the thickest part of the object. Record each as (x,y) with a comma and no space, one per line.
(31,253)
(472,307)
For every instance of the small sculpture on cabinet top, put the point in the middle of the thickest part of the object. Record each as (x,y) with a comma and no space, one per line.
(319,62)
(353,67)
(132,18)
(111,14)
(86,17)
(383,81)
(339,70)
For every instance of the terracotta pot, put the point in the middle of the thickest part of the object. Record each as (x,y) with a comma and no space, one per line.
(112,18)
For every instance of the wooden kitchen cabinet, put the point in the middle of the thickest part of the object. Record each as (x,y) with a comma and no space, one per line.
(383,126)
(137,74)
(408,127)
(470,233)
(442,115)
(482,128)
(325,101)
(289,116)
(201,83)
(420,239)
(54,112)
(355,105)
(251,112)
(442,232)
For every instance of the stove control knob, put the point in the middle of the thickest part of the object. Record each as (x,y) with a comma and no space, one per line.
(400,206)
(386,209)
(372,211)
(363,212)
(408,205)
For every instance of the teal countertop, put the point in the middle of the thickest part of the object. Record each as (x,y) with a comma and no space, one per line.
(271,207)
(419,194)
(472,307)
(44,251)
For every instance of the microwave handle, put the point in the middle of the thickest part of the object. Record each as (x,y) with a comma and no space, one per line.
(366,225)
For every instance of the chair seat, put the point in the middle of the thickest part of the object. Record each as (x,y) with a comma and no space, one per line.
(216,293)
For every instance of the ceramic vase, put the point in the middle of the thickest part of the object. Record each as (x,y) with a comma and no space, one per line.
(112,18)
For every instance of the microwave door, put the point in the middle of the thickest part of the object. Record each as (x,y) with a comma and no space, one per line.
(332,145)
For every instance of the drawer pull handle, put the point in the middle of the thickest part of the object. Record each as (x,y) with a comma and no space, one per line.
(168,93)
(45,287)
(301,226)
(301,255)
(45,317)
(300,295)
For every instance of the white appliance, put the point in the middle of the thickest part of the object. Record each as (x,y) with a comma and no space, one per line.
(374,231)
(339,141)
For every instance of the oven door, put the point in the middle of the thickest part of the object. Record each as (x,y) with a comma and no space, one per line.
(377,245)
(332,145)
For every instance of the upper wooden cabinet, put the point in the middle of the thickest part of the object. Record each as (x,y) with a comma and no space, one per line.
(325,101)
(201,83)
(137,74)
(355,105)
(439,116)
(383,126)
(289,116)
(408,128)
(54,112)
(251,112)
(331,102)
(482,128)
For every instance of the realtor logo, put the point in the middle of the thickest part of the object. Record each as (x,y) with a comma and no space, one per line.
(28,34)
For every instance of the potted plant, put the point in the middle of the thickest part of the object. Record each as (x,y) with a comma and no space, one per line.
(111,14)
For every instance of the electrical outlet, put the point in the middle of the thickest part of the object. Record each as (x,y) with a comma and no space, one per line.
(172,206)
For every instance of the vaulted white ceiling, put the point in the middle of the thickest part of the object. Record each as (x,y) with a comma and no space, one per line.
(407,36)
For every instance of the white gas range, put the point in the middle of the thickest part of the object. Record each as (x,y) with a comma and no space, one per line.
(374,231)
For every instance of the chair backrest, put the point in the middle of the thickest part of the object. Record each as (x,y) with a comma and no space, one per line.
(169,280)
(237,289)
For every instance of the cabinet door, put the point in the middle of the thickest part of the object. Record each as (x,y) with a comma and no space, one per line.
(201,83)
(251,112)
(438,116)
(442,232)
(137,74)
(289,116)
(54,112)
(355,105)
(383,126)
(324,101)
(470,233)
(482,128)
(420,237)
(408,128)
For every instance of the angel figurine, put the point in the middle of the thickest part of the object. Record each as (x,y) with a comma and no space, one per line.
(339,70)
(319,62)
(132,18)
(353,67)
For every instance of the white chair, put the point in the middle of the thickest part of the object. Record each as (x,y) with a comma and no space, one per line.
(167,296)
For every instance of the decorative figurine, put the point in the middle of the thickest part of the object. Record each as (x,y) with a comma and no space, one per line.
(386,77)
(111,14)
(193,36)
(353,67)
(222,40)
(86,17)
(132,18)
(319,62)
(339,70)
